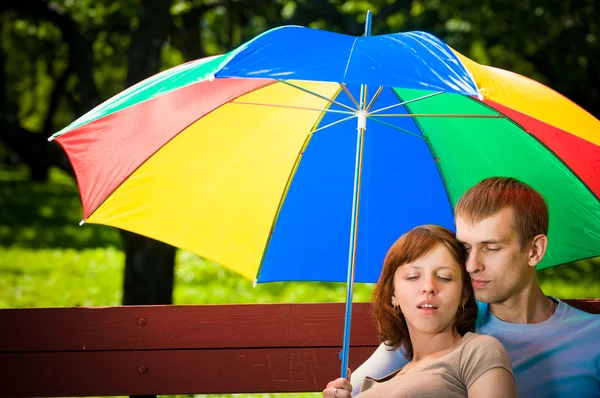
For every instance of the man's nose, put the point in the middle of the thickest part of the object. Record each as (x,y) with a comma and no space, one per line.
(473,263)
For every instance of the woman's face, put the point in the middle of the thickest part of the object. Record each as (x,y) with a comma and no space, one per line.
(429,291)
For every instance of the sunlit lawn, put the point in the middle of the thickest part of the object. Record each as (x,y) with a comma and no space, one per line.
(47,260)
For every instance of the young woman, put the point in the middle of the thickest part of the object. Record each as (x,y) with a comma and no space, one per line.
(424,303)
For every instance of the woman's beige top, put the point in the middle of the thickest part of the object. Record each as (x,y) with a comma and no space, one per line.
(450,375)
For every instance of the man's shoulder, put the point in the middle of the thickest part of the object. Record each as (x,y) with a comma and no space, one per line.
(566,317)
(574,315)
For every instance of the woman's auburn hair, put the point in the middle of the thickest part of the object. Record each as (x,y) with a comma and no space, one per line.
(413,245)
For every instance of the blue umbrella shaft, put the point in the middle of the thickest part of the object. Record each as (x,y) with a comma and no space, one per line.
(354,224)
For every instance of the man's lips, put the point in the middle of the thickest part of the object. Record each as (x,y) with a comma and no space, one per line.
(479,284)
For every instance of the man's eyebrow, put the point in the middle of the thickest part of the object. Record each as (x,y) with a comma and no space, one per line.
(492,241)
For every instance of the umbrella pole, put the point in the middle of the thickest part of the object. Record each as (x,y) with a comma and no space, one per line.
(360,133)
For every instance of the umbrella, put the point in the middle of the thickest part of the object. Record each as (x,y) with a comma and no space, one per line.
(303,154)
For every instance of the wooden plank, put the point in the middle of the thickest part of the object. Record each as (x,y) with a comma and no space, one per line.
(195,326)
(588,305)
(172,371)
(179,327)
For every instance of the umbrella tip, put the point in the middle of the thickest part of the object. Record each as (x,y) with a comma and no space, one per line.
(480,97)
(51,138)
(368,20)
(81,222)
(255,283)
(211,77)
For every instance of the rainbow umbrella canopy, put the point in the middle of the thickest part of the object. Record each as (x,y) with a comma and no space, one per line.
(304,150)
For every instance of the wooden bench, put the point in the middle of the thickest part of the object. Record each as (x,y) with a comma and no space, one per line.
(148,350)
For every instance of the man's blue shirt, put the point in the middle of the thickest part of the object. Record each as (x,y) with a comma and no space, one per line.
(557,358)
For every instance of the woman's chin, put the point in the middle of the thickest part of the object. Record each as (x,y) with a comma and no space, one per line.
(429,325)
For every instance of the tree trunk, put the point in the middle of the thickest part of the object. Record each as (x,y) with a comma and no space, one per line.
(149,264)
(149,270)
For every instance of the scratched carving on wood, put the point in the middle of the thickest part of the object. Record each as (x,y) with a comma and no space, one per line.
(303,335)
(299,365)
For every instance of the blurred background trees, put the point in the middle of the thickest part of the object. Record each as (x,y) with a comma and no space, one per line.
(59,59)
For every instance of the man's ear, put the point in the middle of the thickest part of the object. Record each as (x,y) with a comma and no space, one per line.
(538,249)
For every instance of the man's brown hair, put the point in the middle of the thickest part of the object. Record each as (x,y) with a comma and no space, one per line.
(412,246)
(493,194)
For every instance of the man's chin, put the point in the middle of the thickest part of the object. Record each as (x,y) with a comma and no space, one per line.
(484,297)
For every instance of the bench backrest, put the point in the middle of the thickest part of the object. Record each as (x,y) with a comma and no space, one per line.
(144,350)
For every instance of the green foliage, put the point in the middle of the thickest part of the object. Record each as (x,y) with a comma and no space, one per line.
(202,282)
(555,43)
(27,74)
(60,277)
(47,215)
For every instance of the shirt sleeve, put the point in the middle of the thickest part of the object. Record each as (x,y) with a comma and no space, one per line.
(383,362)
(481,354)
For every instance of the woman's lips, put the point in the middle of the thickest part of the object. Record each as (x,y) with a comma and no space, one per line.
(427,307)
(427,311)
(479,284)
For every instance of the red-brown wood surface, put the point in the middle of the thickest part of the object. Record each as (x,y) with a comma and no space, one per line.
(589,305)
(172,371)
(179,327)
(184,349)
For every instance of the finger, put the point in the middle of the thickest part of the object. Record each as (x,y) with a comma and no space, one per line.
(346,386)
(348,377)
(337,383)
(340,384)
(336,393)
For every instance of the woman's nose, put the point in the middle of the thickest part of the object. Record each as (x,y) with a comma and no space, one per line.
(429,287)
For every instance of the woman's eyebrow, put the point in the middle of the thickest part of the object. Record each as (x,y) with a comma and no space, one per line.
(449,267)
(444,267)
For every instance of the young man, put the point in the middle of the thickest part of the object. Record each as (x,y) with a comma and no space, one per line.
(554,348)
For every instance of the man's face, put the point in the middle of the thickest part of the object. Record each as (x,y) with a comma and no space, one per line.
(498,266)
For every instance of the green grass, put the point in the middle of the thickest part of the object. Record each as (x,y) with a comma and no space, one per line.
(94,277)
(47,260)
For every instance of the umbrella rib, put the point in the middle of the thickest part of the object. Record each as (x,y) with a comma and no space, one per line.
(294,107)
(350,95)
(333,123)
(456,115)
(407,102)
(318,95)
(379,90)
(398,128)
